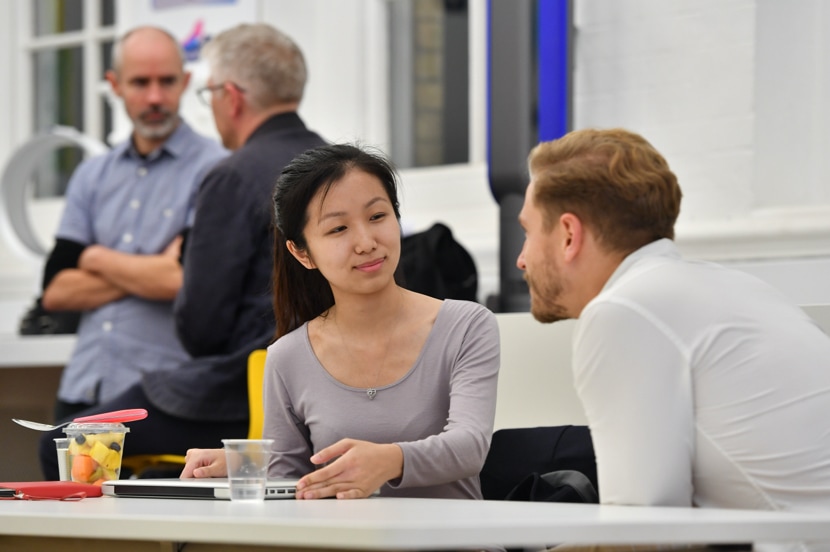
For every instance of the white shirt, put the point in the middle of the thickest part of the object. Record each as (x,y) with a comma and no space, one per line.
(703,386)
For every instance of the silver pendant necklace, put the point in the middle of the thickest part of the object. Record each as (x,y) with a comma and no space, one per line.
(371,392)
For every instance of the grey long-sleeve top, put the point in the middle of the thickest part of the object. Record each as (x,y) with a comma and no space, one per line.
(440,413)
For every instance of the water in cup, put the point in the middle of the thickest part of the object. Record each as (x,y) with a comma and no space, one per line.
(248,489)
(247,461)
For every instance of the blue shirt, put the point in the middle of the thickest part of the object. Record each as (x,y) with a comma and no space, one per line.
(135,205)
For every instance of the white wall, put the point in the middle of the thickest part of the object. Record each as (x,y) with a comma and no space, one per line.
(791,92)
(733,92)
(681,74)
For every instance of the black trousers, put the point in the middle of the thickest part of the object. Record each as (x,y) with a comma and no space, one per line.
(158,433)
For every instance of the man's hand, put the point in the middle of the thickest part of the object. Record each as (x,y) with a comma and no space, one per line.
(173,249)
(356,470)
(94,258)
(155,277)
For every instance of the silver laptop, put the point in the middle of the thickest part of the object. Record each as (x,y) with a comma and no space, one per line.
(207,488)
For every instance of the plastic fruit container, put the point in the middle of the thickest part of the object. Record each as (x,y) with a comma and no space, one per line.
(95,451)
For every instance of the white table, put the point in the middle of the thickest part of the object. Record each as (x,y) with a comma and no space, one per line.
(29,351)
(384,524)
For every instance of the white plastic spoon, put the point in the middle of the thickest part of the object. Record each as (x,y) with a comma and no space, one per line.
(106,417)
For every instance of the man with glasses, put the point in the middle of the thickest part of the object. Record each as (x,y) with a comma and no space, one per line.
(116,254)
(257,79)
(223,311)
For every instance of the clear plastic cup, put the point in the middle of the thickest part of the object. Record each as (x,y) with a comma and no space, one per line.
(62,449)
(247,461)
(95,451)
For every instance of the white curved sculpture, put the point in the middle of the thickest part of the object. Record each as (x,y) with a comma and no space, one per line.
(16,178)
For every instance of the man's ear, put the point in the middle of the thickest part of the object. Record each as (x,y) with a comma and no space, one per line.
(300,254)
(185,80)
(112,78)
(573,235)
(237,98)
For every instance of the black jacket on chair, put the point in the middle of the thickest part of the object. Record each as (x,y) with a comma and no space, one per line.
(541,464)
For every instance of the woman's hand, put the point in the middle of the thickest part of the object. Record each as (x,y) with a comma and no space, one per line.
(204,463)
(356,470)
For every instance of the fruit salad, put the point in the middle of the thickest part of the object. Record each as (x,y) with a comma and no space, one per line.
(95,452)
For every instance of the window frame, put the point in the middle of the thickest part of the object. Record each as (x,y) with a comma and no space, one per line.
(90,38)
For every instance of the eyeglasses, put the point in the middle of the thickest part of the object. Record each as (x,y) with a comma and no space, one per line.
(205,93)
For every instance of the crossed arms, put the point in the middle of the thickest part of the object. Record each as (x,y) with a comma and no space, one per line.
(102,275)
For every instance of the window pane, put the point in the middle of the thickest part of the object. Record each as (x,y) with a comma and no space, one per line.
(106,120)
(58,101)
(430,83)
(58,16)
(106,108)
(107,13)
(106,56)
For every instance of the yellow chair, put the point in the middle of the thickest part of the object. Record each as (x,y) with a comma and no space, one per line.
(256,410)
(256,372)
(138,463)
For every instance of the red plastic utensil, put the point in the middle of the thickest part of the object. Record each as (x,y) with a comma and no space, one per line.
(114,417)
(117,416)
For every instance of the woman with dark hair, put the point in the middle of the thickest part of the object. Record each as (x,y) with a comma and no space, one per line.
(368,386)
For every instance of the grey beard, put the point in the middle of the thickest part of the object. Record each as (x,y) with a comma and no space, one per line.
(158,131)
